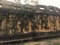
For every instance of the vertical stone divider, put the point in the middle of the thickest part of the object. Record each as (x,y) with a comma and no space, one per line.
(18,26)
(57,23)
(49,23)
(29,26)
(3,31)
(10,25)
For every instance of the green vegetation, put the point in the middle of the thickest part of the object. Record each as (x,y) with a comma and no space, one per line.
(56,43)
(37,44)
